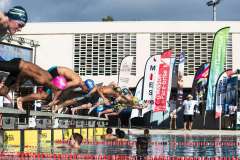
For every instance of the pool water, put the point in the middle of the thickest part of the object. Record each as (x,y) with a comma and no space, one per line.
(159,145)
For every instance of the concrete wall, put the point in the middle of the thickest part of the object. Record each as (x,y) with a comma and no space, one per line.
(56,40)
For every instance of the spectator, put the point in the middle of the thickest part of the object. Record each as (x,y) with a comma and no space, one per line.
(188,106)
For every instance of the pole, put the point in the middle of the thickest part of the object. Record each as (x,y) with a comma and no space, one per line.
(214,12)
(35,87)
(220,118)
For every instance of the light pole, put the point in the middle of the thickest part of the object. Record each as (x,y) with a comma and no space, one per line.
(214,3)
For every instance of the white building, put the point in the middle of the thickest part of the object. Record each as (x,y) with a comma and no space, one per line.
(95,49)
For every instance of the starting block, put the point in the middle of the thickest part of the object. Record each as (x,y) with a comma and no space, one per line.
(10,117)
(9,122)
(91,123)
(80,123)
(41,120)
(62,121)
(101,124)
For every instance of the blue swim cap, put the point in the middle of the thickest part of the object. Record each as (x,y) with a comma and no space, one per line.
(18,13)
(89,83)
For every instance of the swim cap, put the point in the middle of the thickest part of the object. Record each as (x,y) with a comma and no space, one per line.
(60,82)
(89,83)
(18,13)
(118,90)
(135,100)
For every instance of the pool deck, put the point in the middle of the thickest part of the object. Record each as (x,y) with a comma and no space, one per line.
(182,132)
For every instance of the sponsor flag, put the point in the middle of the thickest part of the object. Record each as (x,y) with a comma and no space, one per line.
(139,89)
(180,78)
(138,94)
(125,72)
(156,81)
(221,92)
(217,63)
(200,82)
(181,64)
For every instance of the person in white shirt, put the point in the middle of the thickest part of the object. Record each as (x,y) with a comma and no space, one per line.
(188,106)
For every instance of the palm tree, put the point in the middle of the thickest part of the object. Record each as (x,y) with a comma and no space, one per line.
(107,19)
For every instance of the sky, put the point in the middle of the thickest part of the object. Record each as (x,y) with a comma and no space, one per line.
(125,10)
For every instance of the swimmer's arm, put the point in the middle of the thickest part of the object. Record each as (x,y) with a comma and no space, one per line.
(76,83)
(71,84)
(94,90)
(52,103)
(99,90)
(55,98)
(125,99)
(137,107)
(130,92)
(96,104)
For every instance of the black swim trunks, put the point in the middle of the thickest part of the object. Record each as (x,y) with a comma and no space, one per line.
(12,67)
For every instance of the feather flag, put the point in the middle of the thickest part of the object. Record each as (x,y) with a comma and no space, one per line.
(217,63)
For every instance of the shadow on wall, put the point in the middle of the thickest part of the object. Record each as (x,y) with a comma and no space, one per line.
(198,121)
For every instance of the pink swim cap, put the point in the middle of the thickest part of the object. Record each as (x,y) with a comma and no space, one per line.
(60,82)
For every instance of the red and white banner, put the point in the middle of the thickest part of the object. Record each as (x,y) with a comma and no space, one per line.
(125,72)
(156,81)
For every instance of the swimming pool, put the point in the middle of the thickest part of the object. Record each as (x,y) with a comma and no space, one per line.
(159,146)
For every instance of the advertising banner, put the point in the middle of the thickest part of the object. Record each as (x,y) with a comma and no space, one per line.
(199,86)
(125,72)
(221,90)
(12,139)
(156,81)
(138,94)
(231,94)
(180,75)
(217,63)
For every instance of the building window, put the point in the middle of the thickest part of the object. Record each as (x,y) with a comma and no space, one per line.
(197,47)
(101,54)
